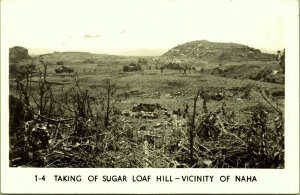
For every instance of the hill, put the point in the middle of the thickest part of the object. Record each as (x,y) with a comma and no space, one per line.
(215,52)
(18,53)
(72,58)
(77,56)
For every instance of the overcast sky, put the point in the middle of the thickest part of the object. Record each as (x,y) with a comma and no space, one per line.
(108,26)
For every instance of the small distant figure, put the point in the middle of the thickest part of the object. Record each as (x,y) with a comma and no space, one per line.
(142,71)
(194,69)
(281,59)
(179,112)
(126,95)
(162,69)
(60,63)
(202,70)
(186,111)
(95,70)
(84,70)
(184,70)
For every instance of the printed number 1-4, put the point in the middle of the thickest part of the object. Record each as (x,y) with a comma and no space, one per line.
(43,178)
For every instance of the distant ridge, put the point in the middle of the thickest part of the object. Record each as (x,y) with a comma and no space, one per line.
(120,52)
(215,52)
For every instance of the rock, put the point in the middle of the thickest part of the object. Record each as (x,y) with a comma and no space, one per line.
(157,125)
(182,122)
(135,115)
(125,113)
(64,69)
(149,138)
(166,113)
(147,107)
(136,92)
(279,93)
(207,162)
(177,112)
(132,67)
(149,115)
(144,107)
(18,53)
(217,96)
(60,63)
(168,95)
(142,127)
(239,99)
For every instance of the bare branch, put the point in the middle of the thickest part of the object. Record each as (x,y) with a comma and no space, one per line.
(47,118)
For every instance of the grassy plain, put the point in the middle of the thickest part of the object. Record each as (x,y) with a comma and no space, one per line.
(168,82)
(170,89)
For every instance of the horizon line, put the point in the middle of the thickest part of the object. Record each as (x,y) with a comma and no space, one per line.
(150,51)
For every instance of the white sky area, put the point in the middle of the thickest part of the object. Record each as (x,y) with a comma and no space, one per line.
(113,26)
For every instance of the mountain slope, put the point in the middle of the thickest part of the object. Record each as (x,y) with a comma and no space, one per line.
(216,52)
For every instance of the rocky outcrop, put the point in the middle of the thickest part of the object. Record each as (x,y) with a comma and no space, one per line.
(18,53)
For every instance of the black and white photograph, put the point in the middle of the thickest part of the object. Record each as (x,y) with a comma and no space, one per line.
(148,84)
(120,93)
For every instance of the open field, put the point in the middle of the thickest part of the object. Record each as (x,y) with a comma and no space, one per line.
(139,135)
(149,82)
